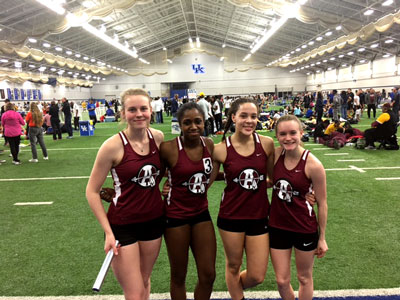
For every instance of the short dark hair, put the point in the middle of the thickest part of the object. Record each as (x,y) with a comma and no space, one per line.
(189,106)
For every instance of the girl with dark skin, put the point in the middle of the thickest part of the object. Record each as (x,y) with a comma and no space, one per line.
(188,159)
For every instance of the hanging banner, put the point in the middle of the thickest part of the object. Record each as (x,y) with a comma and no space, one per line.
(22,94)
(34,92)
(2,94)
(39,94)
(29,94)
(9,94)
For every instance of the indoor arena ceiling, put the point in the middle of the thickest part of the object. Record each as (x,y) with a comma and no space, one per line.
(150,26)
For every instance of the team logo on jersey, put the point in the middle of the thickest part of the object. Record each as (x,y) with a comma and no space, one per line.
(249,179)
(147,176)
(284,190)
(197,184)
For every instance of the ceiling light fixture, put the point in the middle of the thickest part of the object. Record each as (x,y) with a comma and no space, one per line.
(68,52)
(59,49)
(387,3)
(362,61)
(386,55)
(223,45)
(32,40)
(339,27)
(164,49)
(341,56)
(311,43)
(368,12)
(247,57)
(47,45)
(107,39)
(389,41)
(361,50)
(374,45)
(170,61)
(350,53)
(276,25)
(319,38)
(198,42)
(222,58)
(329,33)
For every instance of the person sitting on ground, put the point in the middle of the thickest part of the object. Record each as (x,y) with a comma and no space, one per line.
(332,127)
(309,113)
(297,112)
(383,128)
(319,131)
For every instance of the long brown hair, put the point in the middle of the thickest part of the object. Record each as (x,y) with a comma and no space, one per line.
(233,110)
(37,115)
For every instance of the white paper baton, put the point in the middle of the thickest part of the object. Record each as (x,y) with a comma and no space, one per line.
(104,269)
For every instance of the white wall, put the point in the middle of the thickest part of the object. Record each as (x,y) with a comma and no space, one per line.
(381,73)
(215,80)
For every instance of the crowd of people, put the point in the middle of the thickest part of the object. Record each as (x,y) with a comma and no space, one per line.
(34,119)
(248,223)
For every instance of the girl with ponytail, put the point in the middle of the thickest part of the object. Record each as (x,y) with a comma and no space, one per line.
(248,160)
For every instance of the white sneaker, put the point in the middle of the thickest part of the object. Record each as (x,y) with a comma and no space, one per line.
(2,161)
(33,160)
(46,158)
(16,162)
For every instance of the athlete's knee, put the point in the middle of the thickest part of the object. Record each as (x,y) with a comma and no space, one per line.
(254,279)
(178,278)
(207,277)
(283,282)
(233,267)
(305,279)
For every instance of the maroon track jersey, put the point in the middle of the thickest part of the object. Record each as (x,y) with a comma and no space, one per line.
(289,208)
(136,183)
(189,182)
(245,195)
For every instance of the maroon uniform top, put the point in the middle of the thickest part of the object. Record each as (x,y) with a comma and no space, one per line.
(245,195)
(289,208)
(189,182)
(136,179)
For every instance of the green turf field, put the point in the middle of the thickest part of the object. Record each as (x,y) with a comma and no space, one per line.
(57,249)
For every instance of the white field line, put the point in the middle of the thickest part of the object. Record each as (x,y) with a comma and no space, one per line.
(357,169)
(345,160)
(388,178)
(324,148)
(337,154)
(33,203)
(65,149)
(225,295)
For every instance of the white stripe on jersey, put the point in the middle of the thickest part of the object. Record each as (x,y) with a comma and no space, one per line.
(179,143)
(117,186)
(123,138)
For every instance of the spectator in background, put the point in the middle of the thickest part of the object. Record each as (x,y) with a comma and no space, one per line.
(3,110)
(372,101)
(158,107)
(174,105)
(343,104)
(91,107)
(55,120)
(77,114)
(217,109)
(46,121)
(12,122)
(204,106)
(319,107)
(396,103)
(383,128)
(34,118)
(66,109)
